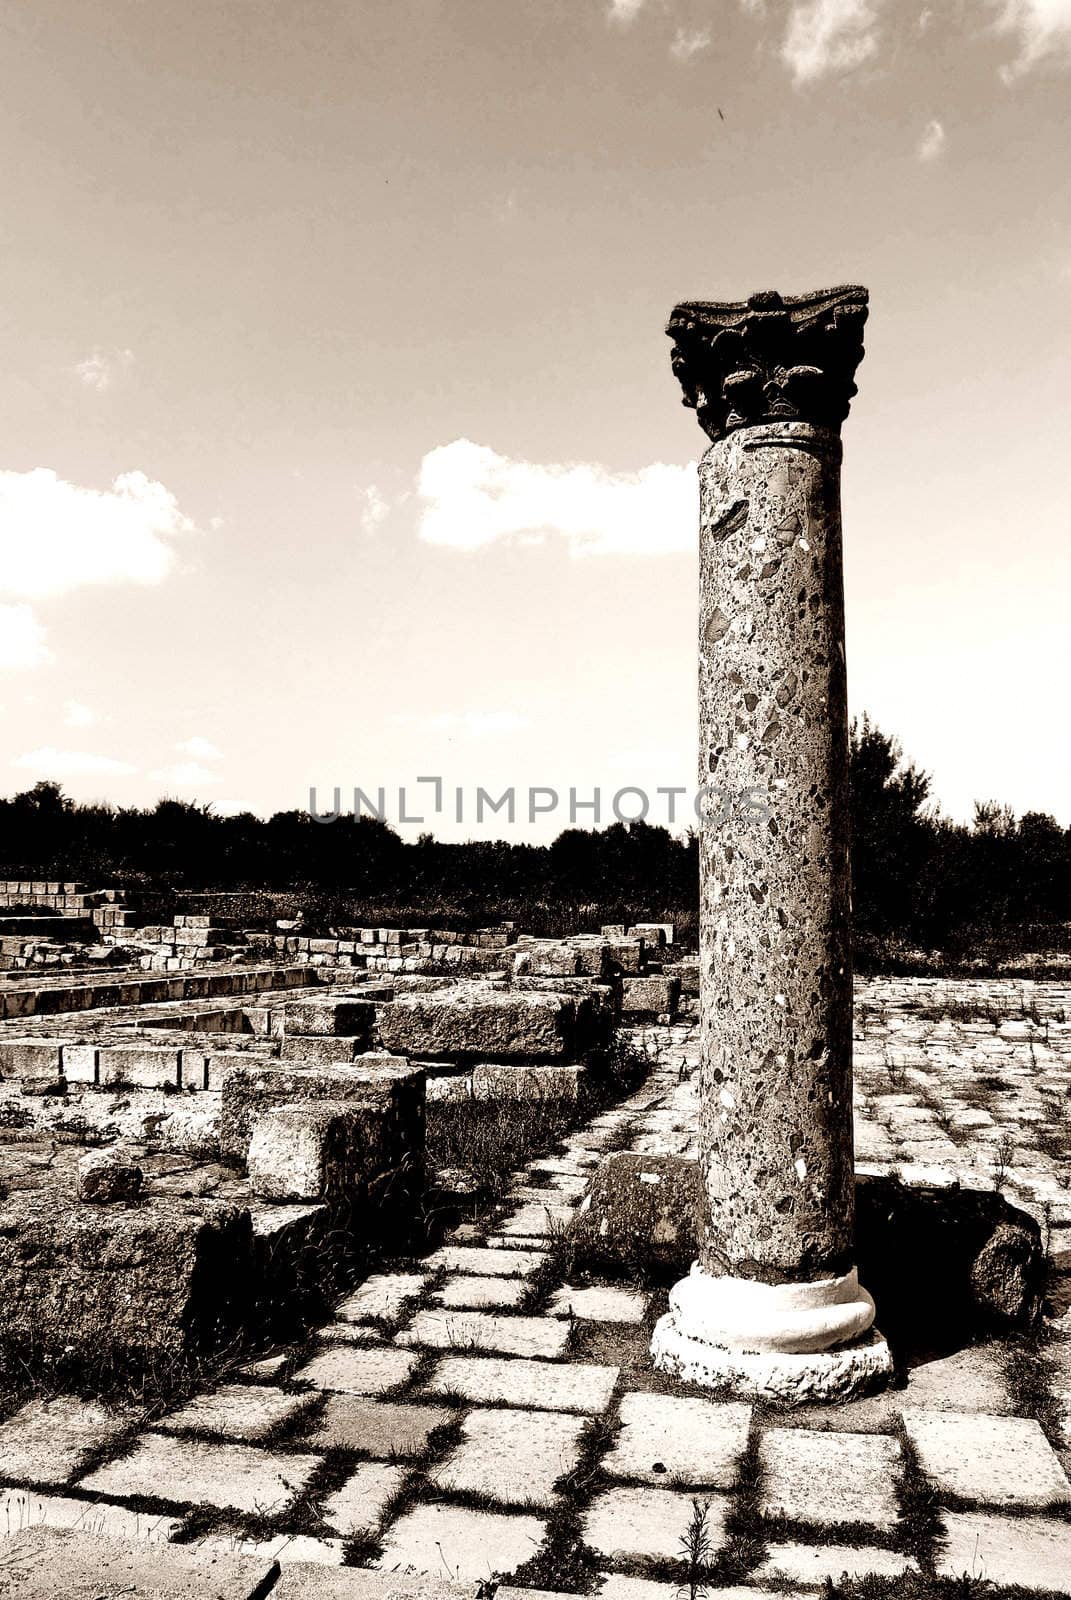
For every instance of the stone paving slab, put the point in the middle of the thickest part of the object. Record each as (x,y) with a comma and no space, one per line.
(382,1297)
(379,1428)
(969,1380)
(828,1478)
(515,1458)
(459,1543)
(48,1440)
(1000,1461)
(481,1294)
(241,1411)
(356,1369)
(618,1586)
(599,1304)
(358,1506)
(197,1472)
(43,1563)
(22,1508)
(300,1582)
(812,1563)
(484,1262)
(537,1219)
(626,1523)
(479,1330)
(1032,1551)
(666,1438)
(562,1386)
(281,1548)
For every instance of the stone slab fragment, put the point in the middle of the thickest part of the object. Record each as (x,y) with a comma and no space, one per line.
(515,1458)
(378,1428)
(244,1412)
(48,1440)
(1000,1461)
(630,1523)
(42,1563)
(197,1472)
(829,1477)
(358,1505)
(550,1386)
(1032,1551)
(666,1438)
(480,1330)
(460,1543)
(353,1369)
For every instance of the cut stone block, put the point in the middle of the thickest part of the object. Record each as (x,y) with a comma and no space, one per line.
(321,1017)
(328,1052)
(626,1524)
(140,1066)
(358,1506)
(461,1543)
(252,1086)
(812,1564)
(48,1440)
(970,1380)
(300,1581)
(536,1027)
(513,1457)
(564,1386)
(378,1428)
(382,1297)
(599,1304)
(481,1294)
(30,1058)
(109,1177)
(654,996)
(478,1330)
(196,1472)
(355,1369)
(1003,1461)
(321,1150)
(507,1082)
(665,1439)
(484,1262)
(242,1411)
(42,1563)
(829,1477)
(1032,1551)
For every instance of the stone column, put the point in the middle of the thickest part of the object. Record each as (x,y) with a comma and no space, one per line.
(773,1305)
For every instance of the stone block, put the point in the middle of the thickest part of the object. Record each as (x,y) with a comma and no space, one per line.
(630,1524)
(829,1477)
(47,1441)
(601,1303)
(485,1263)
(667,1439)
(1001,1461)
(538,1027)
(460,1543)
(199,1472)
(353,1369)
(139,1066)
(653,933)
(481,1294)
(649,997)
(549,961)
(515,1458)
(329,1015)
(478,1330)
(357,1507)
(252,1086)
(639,1211)
(31,1058)
(1031,1552)
(558,1386)
(380,1428)
(317,1051)
(109,1176)
(536,1083)
(80,1063)
(245,1412)
(41,1563)
(969,1380)
(335,1151)
(382,1297)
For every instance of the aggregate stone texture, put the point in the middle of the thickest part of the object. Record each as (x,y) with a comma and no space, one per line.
(828,1478)
(513,1457)
(775,1078)
(812,1563)
(565,1386)
(1032,1551)
(481,1294)
(48,1440)
(195,1472)
(42,1563)
(459,1543)
(1000,1461)
(382,1297)
(303,1582)
(376,1427)
(358,1369)
(358,1506)
(242,1411)
(626,1523)
(599,1304)
(479,1330)
(666,1439)
(485,1263)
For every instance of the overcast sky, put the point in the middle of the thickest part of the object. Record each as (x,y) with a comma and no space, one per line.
(340,444)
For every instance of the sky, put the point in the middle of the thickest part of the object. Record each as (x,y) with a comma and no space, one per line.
(340,446)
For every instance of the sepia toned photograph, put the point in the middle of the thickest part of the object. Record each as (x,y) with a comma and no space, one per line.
(535,800)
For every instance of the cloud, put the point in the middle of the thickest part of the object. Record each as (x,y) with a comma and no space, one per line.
(76,715)
(1043,29)
(468,724)
(22,639)
(474,497)
(932,143)
(100,370)
(200,749)
(48,762)
(55,536)
(687,44)
(375,509)
(185,775)
(625,11)
(826,36)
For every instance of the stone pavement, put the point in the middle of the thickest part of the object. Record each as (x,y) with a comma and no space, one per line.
(480,1414)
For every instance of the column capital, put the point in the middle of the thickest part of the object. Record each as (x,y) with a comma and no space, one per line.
(769,358)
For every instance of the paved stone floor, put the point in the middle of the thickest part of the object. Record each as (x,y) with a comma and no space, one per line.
(477,1415)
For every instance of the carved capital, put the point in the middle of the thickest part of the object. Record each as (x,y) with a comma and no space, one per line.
(769,358)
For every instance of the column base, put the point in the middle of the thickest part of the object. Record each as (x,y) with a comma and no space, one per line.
(793,1343)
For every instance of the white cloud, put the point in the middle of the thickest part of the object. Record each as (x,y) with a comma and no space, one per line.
(48,762)
(76,715)
(100,370)
(625,10)
(375,509)
(932,143)
(184,775)
(474,497)
(825,36)
(467,724)
(1043,29)
(55,536)
(22,638)
(688,43)
(200,749)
